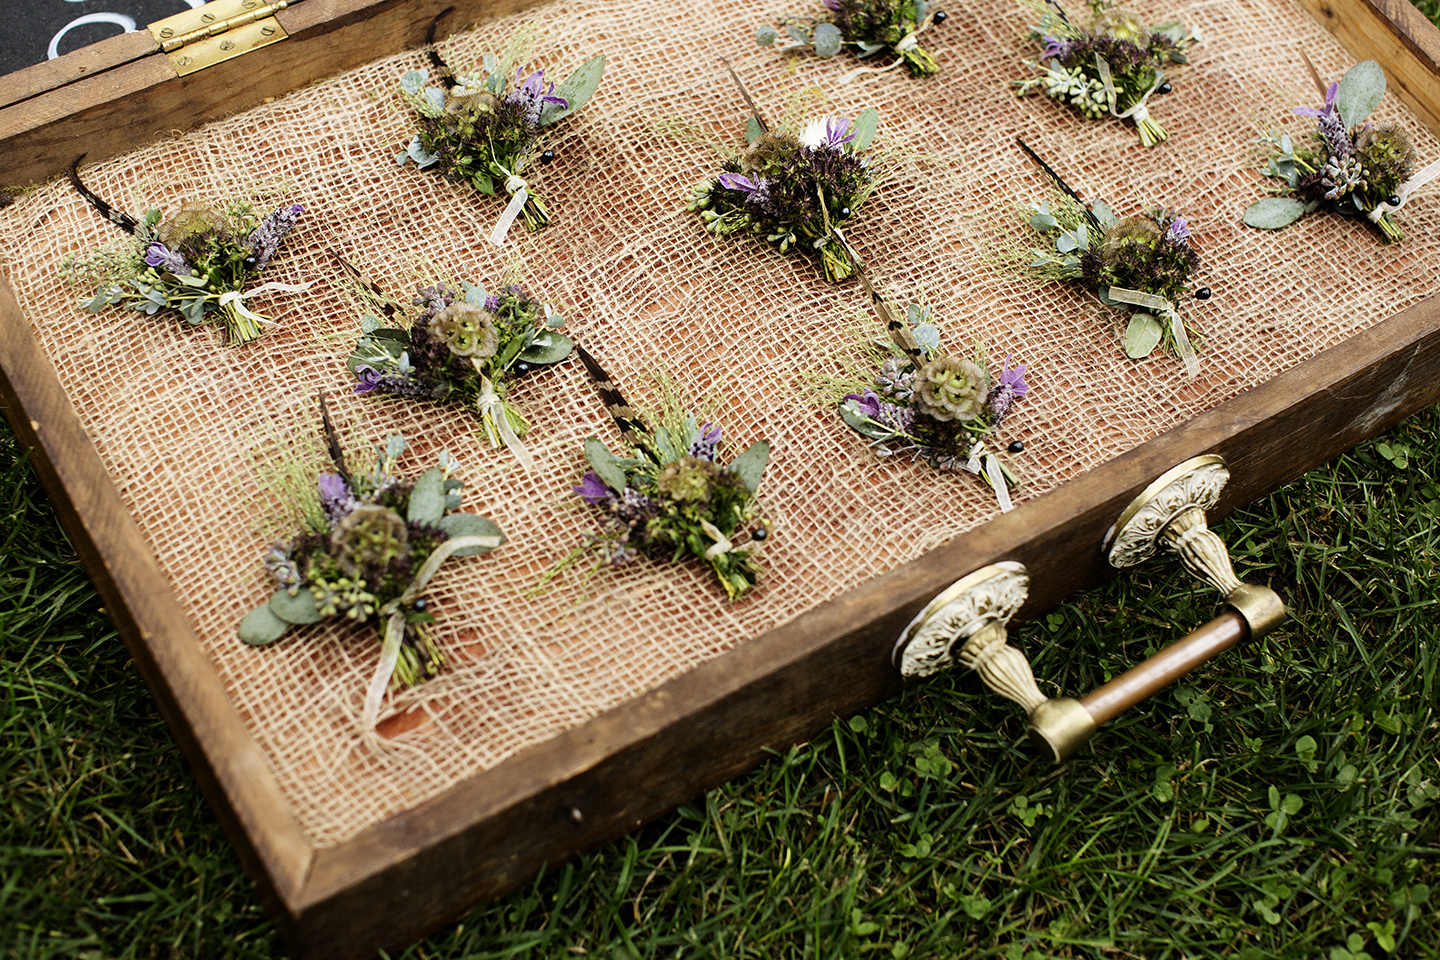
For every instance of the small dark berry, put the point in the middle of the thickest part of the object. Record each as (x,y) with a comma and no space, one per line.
(1203,293)
(547,156)
(1016,447)
(760,534)
(1393,199)
(522,368)
(250,262)
(844,213)
(1164,87)
(940,16)
(419,604)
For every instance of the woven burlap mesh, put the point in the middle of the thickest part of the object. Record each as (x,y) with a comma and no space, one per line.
(179,417)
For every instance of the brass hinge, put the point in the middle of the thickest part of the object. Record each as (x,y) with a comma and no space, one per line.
(218,31)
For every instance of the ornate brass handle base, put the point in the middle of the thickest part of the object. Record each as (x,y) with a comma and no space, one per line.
(966,624)
(1169,514)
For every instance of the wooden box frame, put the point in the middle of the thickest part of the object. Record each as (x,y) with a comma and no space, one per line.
(403,876)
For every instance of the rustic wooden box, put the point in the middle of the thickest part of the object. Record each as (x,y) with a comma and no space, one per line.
(415,869)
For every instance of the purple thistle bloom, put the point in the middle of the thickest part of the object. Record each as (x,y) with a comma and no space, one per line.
(1178,231)
(1011,386)
(1055,48)
(368,377)
(1324,111)
(704,445)
(867,403)
(592,489)
(335,497)
(837,132)
(492,302)
(265,240)
(159,255)
(832,5)
(735,181)
(532,94)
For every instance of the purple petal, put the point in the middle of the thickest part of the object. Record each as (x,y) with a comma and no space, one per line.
(734,181)
(592,489)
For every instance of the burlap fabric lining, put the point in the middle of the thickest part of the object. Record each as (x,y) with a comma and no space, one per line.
(177,415)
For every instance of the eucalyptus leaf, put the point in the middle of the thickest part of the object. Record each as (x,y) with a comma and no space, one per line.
(864,128)
(1272,213)
(547,347)
(1142,335)
(420,156)
(928,336)
(1103,214)
(470,525)
(1360,91)
(452,494)
(413,81)
(101,301)
(427,498)
(300,608)
(766,35)
(753,130)
(475,294)
(606,465)
(260,626)
(1066,242)
(495,83)
(863,425)
(868,49)
(827,39)
(369,323)
(798,33)
(435,99)
(394,446)
(1287,146)
(1044,222)
(1082,236)
(750,465)
(489,62)
(574,90)
(553,318)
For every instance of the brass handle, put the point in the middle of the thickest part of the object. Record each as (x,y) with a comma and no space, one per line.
(1168,514)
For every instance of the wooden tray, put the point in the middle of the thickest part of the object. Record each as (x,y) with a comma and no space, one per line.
(405,875)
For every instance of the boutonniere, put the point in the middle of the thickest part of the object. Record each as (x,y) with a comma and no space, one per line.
(871,27)
(484,130)
(793,188)
(1348,166)
(370,544)
(924,401)
(1112,66)
(198,259)
(465,346)
(668,494)
(1142,262)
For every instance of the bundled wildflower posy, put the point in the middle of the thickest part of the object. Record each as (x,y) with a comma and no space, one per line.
(197,259)
(473,129)
(795,190)
(1349,166)
(870,26)
(1142,261)
(932,404)
(1112,66)
(670,497)
(464,346)
(371,543)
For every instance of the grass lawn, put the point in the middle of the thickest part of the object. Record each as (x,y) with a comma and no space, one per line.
(1281,802)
